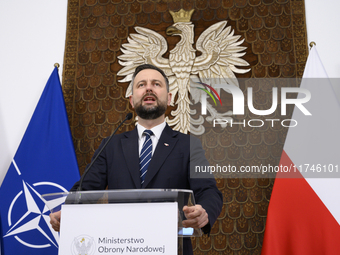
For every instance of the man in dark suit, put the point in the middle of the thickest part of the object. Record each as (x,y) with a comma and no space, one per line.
(167,157)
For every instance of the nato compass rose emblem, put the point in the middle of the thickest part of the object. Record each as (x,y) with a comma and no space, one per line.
(28,216)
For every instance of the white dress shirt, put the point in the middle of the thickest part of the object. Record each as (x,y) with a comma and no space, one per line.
(157,131)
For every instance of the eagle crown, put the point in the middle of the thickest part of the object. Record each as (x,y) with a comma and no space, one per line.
(182,15)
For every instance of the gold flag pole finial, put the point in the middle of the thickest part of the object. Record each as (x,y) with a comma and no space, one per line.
(312,44)
(57,65)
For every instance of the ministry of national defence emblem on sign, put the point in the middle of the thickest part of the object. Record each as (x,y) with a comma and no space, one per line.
(83,245)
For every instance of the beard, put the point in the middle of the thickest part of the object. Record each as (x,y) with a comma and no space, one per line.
(150,113)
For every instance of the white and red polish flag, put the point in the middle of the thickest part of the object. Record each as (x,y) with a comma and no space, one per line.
(304,213)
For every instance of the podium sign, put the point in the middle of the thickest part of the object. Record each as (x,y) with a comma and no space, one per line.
(138,221)
(132,228)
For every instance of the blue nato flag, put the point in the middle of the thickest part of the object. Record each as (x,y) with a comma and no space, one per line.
(45,162)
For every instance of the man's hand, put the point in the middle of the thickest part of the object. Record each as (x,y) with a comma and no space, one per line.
(55,220)
(196,216)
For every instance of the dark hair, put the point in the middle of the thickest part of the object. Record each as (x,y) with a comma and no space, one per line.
(149,66)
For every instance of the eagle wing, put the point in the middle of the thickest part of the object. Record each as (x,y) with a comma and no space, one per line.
(221,54)
(145,47)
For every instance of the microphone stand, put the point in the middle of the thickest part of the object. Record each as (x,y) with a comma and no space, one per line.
(128,117)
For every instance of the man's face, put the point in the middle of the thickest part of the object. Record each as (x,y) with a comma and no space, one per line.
(150,97)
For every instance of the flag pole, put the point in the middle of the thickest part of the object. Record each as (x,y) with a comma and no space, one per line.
(57,65)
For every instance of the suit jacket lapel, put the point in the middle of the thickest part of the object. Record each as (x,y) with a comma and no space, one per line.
(131,154)
(165,145)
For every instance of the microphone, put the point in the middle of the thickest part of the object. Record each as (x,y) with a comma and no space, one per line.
(128,117)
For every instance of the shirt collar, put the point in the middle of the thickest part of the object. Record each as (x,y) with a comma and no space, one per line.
(157,130)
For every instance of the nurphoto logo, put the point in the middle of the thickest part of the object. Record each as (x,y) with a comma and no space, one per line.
(239,104)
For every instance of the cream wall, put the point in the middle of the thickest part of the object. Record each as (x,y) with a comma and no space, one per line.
(32,40)
(323,21)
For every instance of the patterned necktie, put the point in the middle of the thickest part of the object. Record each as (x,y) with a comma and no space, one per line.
(145,155)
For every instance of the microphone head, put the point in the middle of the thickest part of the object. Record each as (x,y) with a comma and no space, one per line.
(128,116)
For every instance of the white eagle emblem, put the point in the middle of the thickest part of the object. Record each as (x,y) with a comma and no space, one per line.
(221,54)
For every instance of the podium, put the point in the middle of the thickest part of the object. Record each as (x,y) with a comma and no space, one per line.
(138,221)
